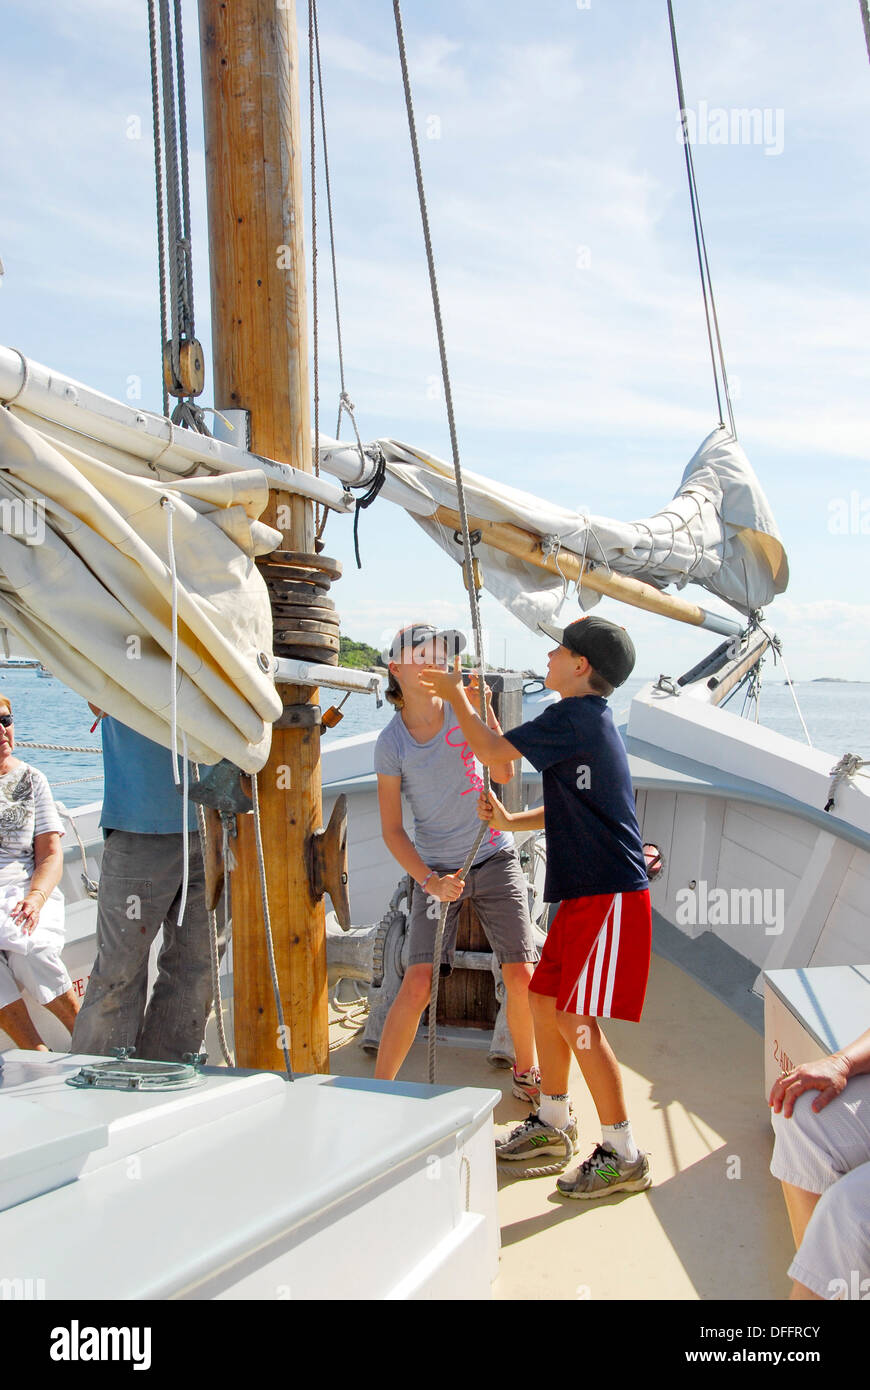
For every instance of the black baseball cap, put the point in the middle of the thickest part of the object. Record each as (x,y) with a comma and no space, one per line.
(606,646)
(408,638)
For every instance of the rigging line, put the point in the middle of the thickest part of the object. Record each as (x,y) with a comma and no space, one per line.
(185,173)
(170,164)
(700,243)
(270,945)
(158,177)
(439,326)
(463,514)
(319,520)
(328,185)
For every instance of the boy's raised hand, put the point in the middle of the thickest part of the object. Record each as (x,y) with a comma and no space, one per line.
(440,682)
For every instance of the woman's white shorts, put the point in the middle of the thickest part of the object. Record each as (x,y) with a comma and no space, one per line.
(31,962)
(829,1152)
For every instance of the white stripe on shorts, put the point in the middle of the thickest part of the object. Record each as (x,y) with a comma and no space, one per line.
(588,995)
(604,1012)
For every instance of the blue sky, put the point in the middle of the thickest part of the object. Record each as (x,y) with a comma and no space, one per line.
(561,226)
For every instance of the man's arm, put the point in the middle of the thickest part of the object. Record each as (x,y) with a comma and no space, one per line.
(487,745)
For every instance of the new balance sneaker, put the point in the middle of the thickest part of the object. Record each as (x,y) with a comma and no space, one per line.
(605,1172)
(527,1085)
(532,1136)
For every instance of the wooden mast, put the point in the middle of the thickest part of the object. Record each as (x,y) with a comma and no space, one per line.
(259,329)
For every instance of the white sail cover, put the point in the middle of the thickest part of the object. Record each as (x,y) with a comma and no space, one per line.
(718,531)
(86,584)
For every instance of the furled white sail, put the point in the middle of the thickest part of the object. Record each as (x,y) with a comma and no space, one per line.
(718,531)
(86,583)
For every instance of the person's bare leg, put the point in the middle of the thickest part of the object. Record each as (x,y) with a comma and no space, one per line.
(554,1054)
(400,1026)
(800,1205)
(516,976)
(65,1007)
(16,1021)
(598,1064)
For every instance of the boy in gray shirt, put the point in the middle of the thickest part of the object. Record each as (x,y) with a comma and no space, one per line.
(422,755)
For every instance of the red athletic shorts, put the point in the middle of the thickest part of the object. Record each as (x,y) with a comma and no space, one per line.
(596,956)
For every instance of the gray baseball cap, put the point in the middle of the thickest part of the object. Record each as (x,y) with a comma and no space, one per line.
(408,638)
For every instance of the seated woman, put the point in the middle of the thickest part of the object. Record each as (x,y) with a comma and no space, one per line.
(31,905)
(822,1158)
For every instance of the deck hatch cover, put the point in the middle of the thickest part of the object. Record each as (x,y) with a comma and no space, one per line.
(124,1074)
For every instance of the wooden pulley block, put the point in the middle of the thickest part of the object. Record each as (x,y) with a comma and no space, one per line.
(300,617)
(191,369)
(306,624)
(312,599)
(477,575)
(322,655)
(327,862)
(289,575)
(329,640)
(302,560)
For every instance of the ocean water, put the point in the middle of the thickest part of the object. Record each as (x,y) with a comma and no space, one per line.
(837,718)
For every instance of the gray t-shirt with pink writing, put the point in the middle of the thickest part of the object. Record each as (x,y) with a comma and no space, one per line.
(442,781)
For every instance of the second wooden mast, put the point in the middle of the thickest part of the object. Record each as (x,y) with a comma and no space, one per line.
(260,351)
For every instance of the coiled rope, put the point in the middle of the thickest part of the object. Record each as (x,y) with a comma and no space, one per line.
(463,515)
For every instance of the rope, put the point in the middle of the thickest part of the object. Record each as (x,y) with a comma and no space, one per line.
(158,180)
(700,241)
(549,1168)
(776,648)
(463,514)
(71,781)
(59,748)
(261,865)
(88,883)
(172,182)
(212,936)
(319,522)
(368,497)
(849,766)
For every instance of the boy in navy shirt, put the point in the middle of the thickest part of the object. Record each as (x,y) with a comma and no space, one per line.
(595,962)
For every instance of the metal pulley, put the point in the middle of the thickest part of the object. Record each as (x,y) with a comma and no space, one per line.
(476,577)
(191,369)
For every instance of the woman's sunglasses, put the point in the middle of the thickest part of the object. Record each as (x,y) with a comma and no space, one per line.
(6,720)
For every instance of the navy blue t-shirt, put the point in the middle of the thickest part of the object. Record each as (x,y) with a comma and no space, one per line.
(593,839)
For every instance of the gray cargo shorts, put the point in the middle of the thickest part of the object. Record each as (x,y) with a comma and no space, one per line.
(499,892)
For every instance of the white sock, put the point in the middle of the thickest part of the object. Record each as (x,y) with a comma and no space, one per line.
(621,1140)
(553,1110)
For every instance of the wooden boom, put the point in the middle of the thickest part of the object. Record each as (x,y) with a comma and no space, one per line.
(525,545)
